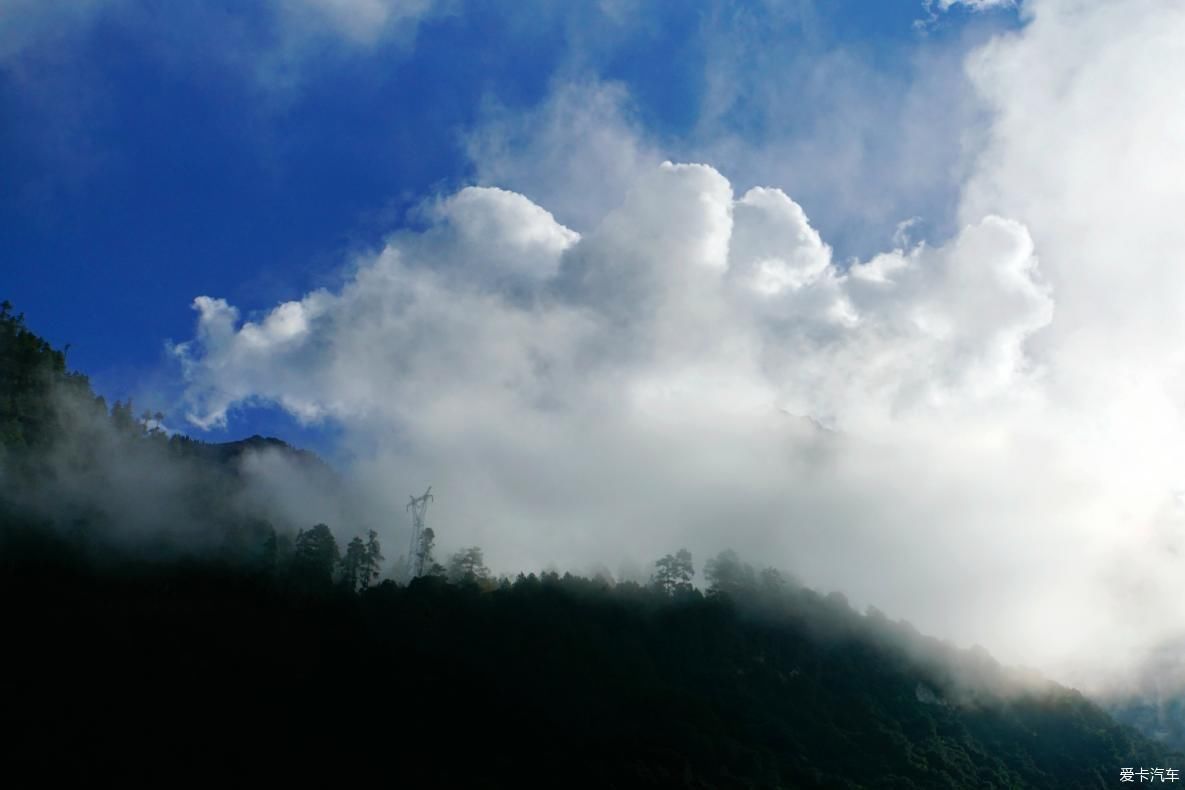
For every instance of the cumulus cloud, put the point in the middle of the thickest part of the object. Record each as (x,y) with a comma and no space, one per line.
(680,271)
(983,435)
(497,234)
(695,369)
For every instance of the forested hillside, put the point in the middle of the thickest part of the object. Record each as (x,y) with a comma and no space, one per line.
(188,634)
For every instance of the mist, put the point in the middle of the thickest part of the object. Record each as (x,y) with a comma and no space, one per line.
(125,487)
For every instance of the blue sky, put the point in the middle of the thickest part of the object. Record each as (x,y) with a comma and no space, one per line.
(152,152)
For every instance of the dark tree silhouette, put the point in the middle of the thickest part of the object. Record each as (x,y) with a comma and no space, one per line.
(34,382)
(123,419)
(726,574)
(673,573)
(467,565)
(372,560)
(353,565)
(315,554)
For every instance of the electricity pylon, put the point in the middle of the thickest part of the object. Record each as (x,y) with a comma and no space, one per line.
(418,507)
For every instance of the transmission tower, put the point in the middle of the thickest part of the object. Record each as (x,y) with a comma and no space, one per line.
(418,507)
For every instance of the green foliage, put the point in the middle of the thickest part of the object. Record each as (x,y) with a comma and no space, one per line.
(32,373)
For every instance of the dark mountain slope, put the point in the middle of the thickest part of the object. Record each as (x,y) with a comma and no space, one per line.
(231,454)
(553,681)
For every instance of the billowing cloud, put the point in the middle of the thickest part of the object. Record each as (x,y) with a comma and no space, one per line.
(695,369)
(681,274)
(983,434)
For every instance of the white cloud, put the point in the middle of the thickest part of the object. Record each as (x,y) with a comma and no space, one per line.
(579,399)
(1003,438)
(1088,111)
(492,235)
